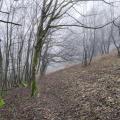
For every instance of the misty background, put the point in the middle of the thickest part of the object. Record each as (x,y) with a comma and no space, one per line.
(86,29)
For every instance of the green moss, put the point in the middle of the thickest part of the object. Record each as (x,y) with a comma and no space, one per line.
(2,102)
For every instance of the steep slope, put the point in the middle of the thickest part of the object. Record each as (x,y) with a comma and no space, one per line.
(75,93)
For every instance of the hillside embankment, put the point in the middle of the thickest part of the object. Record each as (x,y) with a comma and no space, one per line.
(75,93)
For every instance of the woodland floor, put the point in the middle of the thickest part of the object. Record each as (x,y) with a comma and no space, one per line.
(75,93)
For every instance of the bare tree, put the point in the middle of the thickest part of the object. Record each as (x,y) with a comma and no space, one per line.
(50,12)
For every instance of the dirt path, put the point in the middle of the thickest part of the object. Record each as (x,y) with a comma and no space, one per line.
(76,93)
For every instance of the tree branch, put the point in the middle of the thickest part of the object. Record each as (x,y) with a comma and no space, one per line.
(10,22)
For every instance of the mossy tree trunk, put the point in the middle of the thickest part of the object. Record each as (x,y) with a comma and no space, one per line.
(50,11)
(36,56)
